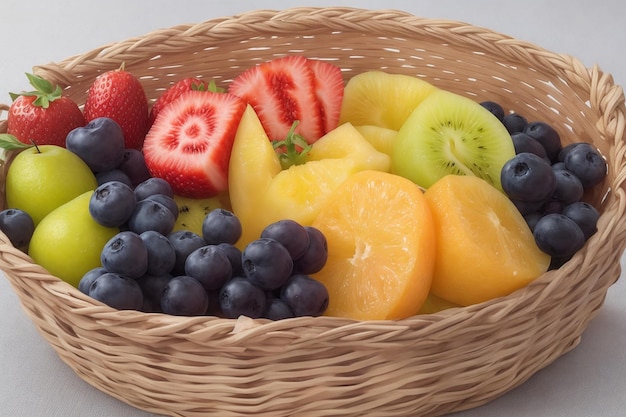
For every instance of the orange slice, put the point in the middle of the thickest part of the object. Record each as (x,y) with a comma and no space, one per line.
(380,237)
(485,249)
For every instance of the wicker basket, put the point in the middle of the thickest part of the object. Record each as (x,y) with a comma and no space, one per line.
(423,365)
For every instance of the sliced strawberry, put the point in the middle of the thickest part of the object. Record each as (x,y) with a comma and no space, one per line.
(175,91)
(190,142)
(329,92)
(282,91)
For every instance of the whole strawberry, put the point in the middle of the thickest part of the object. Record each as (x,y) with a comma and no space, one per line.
(43,116)
(119,95)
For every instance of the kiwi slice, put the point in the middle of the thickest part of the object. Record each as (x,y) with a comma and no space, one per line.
(451,134)
(192,211)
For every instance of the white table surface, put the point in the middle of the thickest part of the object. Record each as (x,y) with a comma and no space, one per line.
(589,381)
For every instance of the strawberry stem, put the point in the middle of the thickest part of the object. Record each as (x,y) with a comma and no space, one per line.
(293,150)
(44,91)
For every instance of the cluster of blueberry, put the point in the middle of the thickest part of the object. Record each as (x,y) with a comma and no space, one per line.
(547,182)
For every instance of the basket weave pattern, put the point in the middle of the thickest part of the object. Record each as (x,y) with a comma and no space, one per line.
(423,365)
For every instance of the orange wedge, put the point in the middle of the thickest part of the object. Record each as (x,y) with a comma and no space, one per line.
(485,249)
(380,236)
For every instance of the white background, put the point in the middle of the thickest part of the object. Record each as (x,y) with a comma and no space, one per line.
(589,381)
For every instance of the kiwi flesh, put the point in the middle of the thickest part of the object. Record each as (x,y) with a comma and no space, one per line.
(191,211)
(451,134)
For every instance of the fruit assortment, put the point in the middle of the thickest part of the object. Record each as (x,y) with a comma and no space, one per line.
(292,193)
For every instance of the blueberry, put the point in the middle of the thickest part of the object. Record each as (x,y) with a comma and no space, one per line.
(266,263)
(184,296)
(522,142)
(568,187)
(113,175)
(210,266)
(153,186)
(289,233)
(233,253)
(151,215)
(240,297)
(277,309)
(18,226)
(514,122)
(558,235)
(89,277)
(526,207)
(316,254)
(585,215)
(184,242)
(532,219)
(528,177)
(587,164)
(167,201)
(100,143)
(117,291)
(112,204)
(134,166)
(547,136)
(221,226)
(558,166)
(152,287)
(305,296)
(495,108)
(567,149)
(125,254)
(161,254)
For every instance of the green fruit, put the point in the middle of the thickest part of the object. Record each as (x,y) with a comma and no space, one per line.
(192,211)
(451,134)
(68,241)
(43,178)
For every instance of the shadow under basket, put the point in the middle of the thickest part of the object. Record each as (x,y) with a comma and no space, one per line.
(423,365)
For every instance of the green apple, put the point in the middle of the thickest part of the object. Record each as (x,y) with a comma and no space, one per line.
(68,241)
(43,178)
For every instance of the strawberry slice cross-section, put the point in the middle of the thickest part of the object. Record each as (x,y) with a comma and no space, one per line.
(189,144)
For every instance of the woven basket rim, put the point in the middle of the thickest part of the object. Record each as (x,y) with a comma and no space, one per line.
(237,334)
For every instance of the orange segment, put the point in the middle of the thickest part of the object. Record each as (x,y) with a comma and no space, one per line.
(485,249)
(380,237)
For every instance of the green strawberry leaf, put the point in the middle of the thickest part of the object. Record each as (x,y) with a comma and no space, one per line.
(44,90)
(293,150)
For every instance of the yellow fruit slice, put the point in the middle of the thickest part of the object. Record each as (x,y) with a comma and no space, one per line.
(381,256)
(381,138)
(382,99)
(345,141)
(434,304)
(485,249)
(299,192)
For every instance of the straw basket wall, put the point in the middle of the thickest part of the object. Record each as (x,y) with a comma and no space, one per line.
(423,365)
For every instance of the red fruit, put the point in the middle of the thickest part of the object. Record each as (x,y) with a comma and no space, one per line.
(175,91)
(190,142)
(329,91)
(120,96)
(282,91)
(44,115)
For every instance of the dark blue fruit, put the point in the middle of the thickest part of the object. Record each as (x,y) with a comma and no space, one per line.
(153,186)
(184,296)
(585,215)
(125,254)
(221,226)
(210,266)
(240,297)
(89,277)
(117,291)
(184,242)
(277,309)
(514,122)
(134,165)
(233,253)
(112,204)
(305,296)
(316,254)
(587,164)
(528,177)
(161,254)
(525,143)
(266,263)
(547,136)
(167,201)
(153,287)
(151,215)
(568,187)
(558,235)
(18,226)
(289,233)
(100,144)
(495,108)
(113,175)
